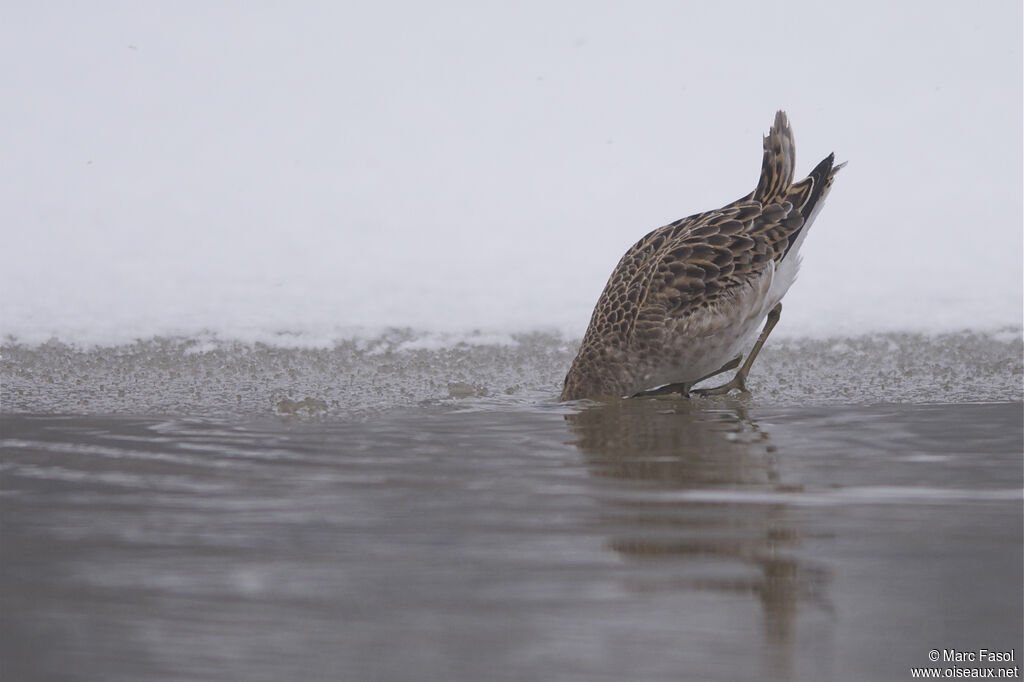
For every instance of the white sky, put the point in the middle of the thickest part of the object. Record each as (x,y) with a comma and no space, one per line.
(246,167)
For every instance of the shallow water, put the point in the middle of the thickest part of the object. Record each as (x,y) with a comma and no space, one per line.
(639,540)
(471,528)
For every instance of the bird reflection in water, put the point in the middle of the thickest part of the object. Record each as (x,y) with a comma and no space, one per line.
(689,465)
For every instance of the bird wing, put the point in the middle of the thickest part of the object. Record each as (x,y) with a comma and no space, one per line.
(694,263)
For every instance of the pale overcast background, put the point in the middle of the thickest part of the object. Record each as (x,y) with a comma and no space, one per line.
(321,168)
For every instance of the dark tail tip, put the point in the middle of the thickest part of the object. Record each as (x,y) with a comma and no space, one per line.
(822,175)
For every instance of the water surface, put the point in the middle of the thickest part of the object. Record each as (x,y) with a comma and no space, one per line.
(481,539)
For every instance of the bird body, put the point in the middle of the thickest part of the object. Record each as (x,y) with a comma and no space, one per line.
(686,302)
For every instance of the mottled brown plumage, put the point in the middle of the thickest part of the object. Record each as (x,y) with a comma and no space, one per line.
(686,301)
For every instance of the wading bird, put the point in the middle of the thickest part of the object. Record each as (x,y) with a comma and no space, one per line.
(685,303)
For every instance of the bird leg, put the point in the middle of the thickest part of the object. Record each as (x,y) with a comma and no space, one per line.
(740,380)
